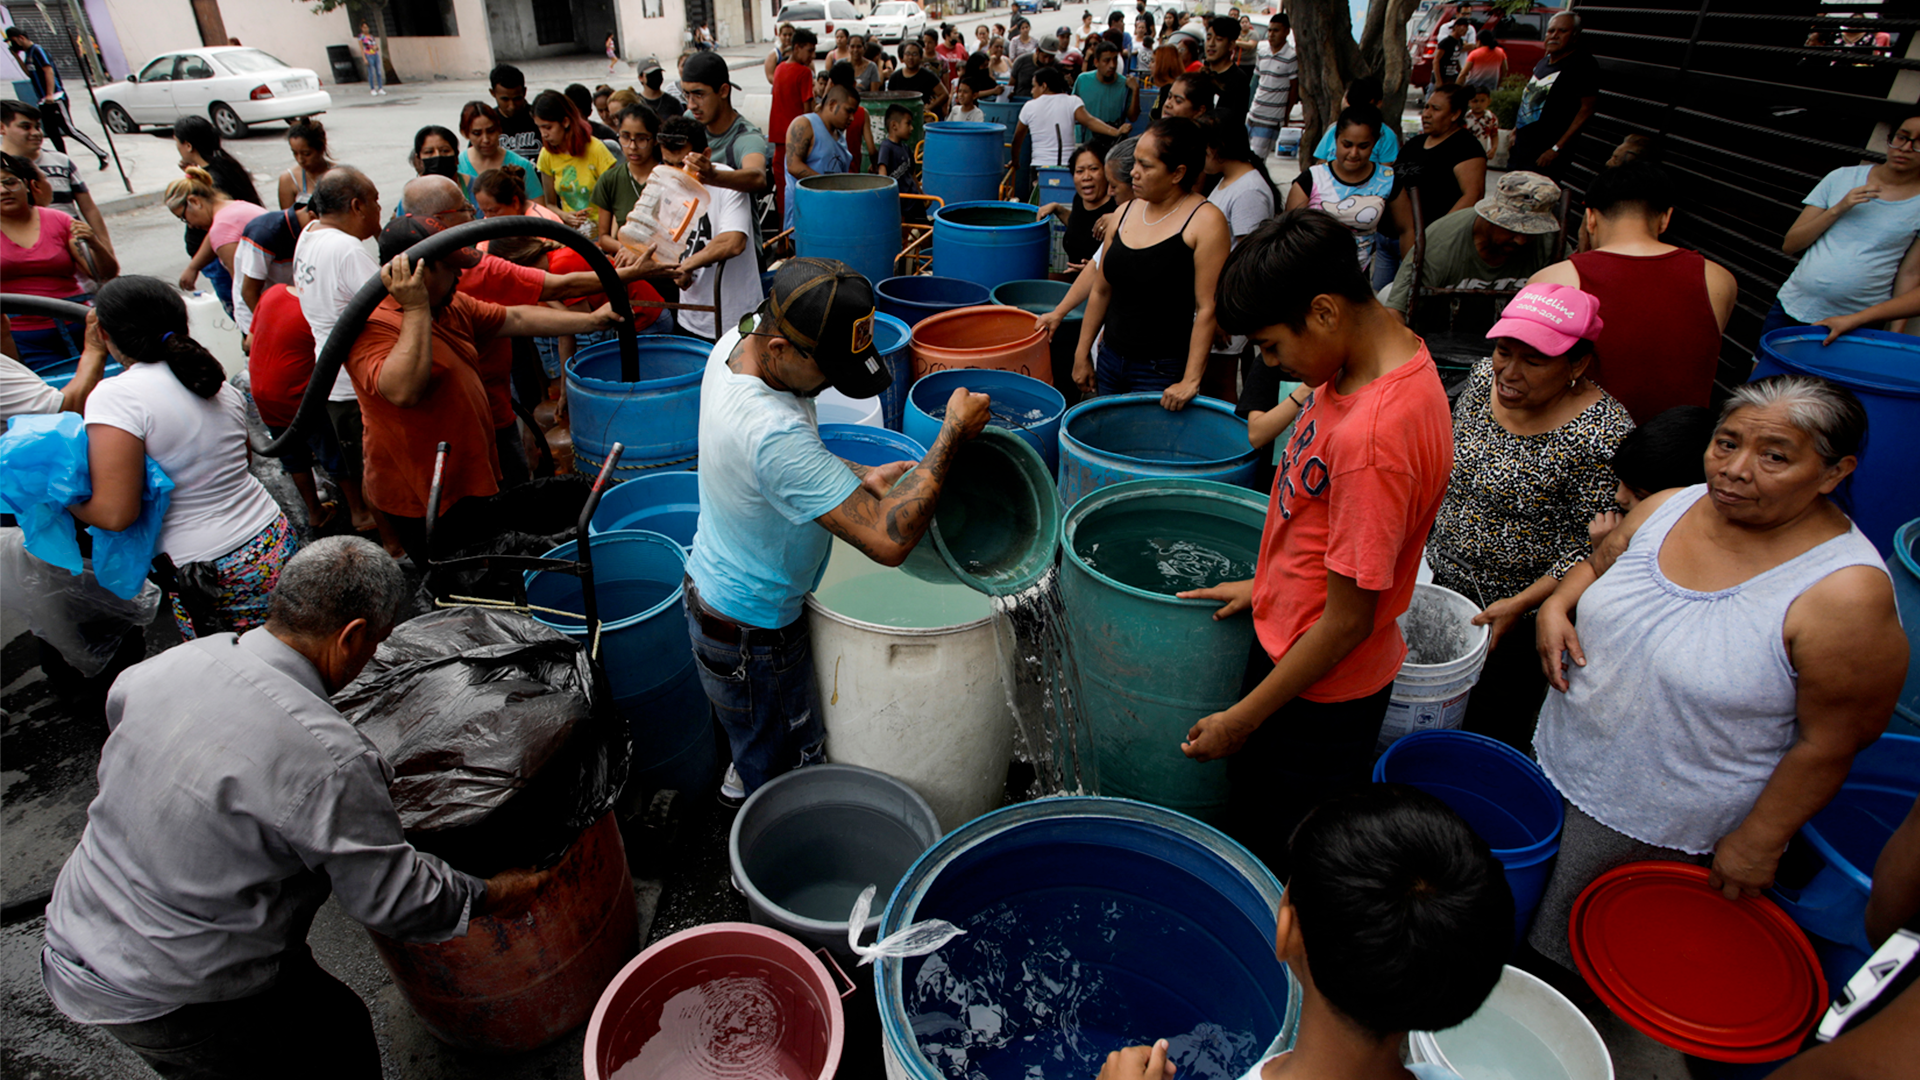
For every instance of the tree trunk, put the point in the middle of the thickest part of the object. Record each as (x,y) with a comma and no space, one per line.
(1383,51)
(1323,36)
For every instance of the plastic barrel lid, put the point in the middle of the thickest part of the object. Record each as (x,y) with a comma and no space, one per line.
(1726,980)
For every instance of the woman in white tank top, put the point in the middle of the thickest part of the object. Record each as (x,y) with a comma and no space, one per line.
(1727,667)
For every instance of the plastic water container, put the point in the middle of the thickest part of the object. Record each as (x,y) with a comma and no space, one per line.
(834,407)
(872,447)
(913,297)
(990,242)
(212,327)
(1525,1029)
(808,841)
(657,417)
(724,999)
(669,207)
(852,217)
(664,502)
(1500,792)
(1027,407)
(988,336)
(1905,568)
(1105,440)
(1142,922)
(893,340)
(1848,834)
(962,160)
(1432,696)
(997,526)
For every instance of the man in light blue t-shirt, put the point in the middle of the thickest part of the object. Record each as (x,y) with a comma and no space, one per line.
(772,497)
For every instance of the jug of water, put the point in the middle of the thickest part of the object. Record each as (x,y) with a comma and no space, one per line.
(669,207)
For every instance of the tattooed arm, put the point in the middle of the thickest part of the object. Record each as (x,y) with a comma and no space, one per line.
(886,528)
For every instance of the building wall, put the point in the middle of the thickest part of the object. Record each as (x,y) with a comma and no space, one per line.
(640,37)
(510,30)
(468,54)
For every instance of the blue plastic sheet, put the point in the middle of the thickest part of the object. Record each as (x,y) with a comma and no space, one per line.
(43,470)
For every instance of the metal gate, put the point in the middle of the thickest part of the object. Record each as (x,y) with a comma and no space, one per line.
(1753,101)
(59,27)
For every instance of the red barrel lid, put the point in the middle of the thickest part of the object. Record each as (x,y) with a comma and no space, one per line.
(1724,980)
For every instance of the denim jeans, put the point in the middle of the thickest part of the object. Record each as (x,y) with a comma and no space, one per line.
(1114,374)
(1776,319)
(765,698)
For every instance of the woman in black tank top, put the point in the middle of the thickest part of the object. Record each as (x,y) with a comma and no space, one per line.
(1154,301)
(1093,199)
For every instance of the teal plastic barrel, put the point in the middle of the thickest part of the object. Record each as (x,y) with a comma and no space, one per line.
(997,525)
(644,648)
(852,217)
(1092,924)
(1905,566)
(656,417)
(893,340)
(1041,297)
(1128,548)
(963,160)
(990,242)
(1129,437)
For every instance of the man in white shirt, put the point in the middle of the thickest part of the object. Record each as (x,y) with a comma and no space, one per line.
(1050,117)
(330,263)
(712,270)
(1274,72)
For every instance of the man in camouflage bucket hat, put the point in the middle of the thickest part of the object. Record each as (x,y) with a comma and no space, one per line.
(1498,243)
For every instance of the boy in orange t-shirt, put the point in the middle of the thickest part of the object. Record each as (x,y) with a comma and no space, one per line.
(1355,496)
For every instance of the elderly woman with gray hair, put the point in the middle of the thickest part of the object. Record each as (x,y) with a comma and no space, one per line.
(1737,646)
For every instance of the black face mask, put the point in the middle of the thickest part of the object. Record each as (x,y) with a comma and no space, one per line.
(447,165)
(655,79)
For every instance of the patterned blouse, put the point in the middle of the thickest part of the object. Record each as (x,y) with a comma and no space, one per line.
(1517,506)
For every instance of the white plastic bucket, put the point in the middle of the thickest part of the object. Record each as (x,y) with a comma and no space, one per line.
(834,407)
(212,327)
(924,704)
(1427,697)
(1526,1028)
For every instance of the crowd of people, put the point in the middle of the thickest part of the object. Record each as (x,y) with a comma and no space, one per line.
(1687,630)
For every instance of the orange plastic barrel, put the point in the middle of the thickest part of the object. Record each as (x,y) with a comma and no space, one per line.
(519,982)
(989,336)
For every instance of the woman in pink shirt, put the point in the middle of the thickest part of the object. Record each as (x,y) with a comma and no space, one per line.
(44,251)
(194,200)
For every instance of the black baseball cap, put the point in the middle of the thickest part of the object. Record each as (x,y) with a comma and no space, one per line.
(708,68)
(406,230)
(825,307)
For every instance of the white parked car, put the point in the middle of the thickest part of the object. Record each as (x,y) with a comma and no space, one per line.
(897,20)
(823,17)
(233,86)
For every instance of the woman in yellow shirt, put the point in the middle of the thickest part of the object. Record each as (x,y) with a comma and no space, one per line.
(571,159)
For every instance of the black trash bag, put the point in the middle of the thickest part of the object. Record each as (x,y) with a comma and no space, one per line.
(499,580)
(503,752)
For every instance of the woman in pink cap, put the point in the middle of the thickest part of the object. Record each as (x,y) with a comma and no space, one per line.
(1532,439)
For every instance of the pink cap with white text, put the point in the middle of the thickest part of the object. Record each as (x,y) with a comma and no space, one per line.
(1550,318)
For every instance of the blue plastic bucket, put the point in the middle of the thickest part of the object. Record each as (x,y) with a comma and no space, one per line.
(963,160)
(1501,794)
(1905,567)
(852,217)
(893,340)
(1848,834)
(1132,920)
(990,242)
(870,446)
(644,650)
(59,373)
(664,502)
(1106,440)
(1884,370)
(657,417)
(914,297)
(1016,400)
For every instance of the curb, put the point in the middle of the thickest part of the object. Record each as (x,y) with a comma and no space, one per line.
(137,201)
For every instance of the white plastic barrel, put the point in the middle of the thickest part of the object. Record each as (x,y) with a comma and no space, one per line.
(212,327)
(1427,697)
(923,702)
(1526,1028)
(834,407)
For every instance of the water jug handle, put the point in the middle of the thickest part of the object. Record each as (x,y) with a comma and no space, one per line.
(834,966)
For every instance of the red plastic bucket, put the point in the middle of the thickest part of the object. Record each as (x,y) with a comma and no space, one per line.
(725,999)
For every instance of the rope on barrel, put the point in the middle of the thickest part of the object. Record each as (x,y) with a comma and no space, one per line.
(594,466)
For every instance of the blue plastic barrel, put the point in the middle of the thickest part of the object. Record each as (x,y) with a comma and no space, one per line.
(59,373)
(664,502)
(1130,437)
(1007,115)
(644,650)
(1905,567)
(657,417)
(1023,405)
(893,340)
(990,242)
(963,160)
(1884,370)
(1127,919)
(1500,792)
(870,446)
(1053,183)
(917,296)
(852,217)
(1848,834)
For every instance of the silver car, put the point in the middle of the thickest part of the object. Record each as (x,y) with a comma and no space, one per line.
(233,86)
(897,20)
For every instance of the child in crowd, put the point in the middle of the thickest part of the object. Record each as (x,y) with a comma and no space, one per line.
(895,158)
(1480,120)
(1668,451)
(1397,918)
(963,104)
(1363,91)
(1357,493)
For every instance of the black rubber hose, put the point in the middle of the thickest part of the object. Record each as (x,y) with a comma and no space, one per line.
(353,318)
(22,304)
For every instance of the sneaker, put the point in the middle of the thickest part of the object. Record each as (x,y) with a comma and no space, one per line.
(732,791)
